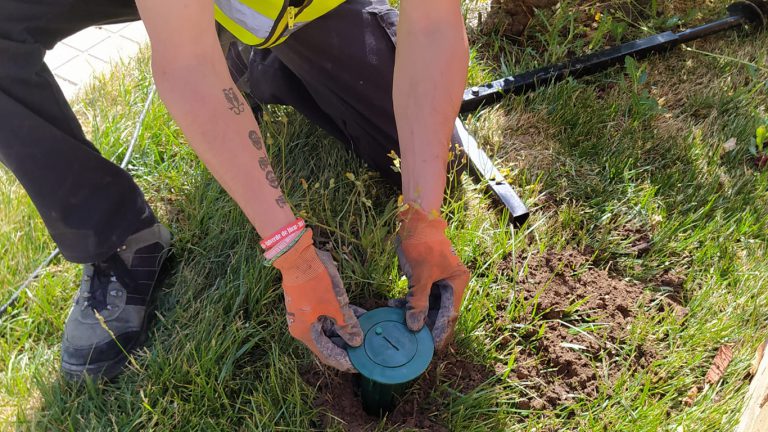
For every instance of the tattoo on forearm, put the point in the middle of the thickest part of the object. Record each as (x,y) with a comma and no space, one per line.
(281,202)
(233,101)
(266,167)
(255,139)
(272,179)
(263,163)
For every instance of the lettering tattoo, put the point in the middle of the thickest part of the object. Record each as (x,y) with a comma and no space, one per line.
(272,179)
(281,202)
(255,140)
(233,100)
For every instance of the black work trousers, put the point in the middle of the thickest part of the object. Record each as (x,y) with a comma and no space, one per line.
(337,71)
(89,205)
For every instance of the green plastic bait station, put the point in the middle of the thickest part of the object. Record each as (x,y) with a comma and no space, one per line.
(389,359)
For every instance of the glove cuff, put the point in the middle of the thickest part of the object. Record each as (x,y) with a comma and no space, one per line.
(297,254)
(417,225)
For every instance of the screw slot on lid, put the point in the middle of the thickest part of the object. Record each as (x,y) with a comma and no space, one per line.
(391,343)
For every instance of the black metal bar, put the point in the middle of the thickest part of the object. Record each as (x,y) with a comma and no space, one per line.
(741,13)
(495,91)
(711,29)
(482,167)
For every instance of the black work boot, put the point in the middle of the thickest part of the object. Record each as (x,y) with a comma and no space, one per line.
(109,318)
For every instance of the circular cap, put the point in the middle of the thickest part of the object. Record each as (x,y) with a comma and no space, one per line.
(391,353)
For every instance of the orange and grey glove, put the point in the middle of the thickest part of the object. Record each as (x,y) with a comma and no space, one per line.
(314,294)
(436,276)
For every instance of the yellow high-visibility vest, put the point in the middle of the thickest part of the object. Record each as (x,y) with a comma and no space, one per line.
(266,23)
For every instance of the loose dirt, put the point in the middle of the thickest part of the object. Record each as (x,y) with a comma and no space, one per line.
(338,397)
(557,365)
(510,18)
(671,295)
(577,347)
(639,239)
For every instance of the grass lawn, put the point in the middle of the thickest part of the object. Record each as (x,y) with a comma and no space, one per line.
(645,253)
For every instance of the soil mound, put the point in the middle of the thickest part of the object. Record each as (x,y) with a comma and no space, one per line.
(586,313)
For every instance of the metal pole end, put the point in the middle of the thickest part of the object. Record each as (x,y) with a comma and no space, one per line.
(753,11)
(519,220)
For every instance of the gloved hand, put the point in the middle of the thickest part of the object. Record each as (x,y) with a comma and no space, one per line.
(314,293)
(436,276)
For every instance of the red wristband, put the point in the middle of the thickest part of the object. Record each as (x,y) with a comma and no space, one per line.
(282,233)
(273,253)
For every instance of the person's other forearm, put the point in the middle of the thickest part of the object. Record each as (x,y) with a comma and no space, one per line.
(222,130)
(430,75)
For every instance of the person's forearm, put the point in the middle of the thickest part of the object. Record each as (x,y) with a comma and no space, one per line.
(430,75)
(222,130)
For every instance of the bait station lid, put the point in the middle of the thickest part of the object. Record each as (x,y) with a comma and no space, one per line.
(391,353)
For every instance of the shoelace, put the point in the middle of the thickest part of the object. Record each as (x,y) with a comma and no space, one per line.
(113,269)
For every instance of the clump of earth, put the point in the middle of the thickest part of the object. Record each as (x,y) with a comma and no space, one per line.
(587,313)
(511,17)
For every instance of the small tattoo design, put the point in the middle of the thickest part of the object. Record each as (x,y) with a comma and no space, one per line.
(281,202)
(235,104)
(263,163)
(255,140)
(272,179)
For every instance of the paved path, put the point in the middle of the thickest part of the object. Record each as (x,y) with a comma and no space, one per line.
(77,58)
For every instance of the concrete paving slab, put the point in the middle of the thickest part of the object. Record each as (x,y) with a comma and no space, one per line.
(80,69)
(87,38)
(76,59)
(114,47)
(60,55)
